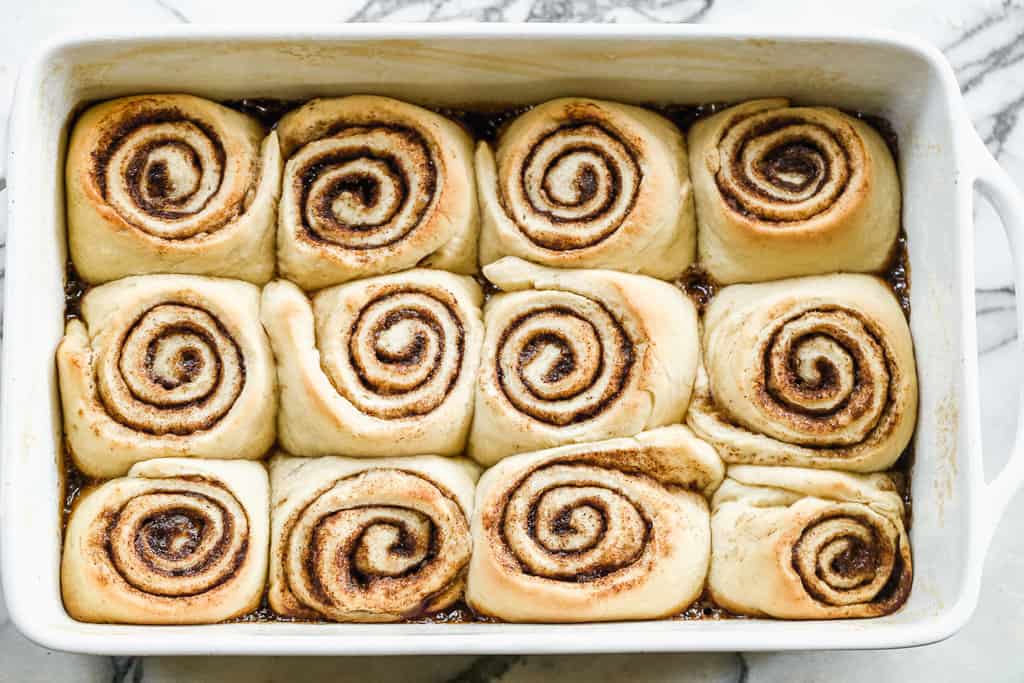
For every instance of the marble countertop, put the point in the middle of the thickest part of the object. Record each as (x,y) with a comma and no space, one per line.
(984,40)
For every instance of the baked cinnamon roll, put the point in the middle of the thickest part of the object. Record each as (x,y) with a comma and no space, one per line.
(176,541)
(795,543)
(579,183)
(371,186)
(171,184)
(382,366)
(595,532)
(369,540)
(817,372)
(571,356)
(784,191)
(166,365)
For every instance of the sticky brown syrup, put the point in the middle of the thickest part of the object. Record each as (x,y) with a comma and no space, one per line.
(267,110)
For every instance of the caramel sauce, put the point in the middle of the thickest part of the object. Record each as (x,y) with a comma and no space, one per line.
(262,614)
(486,125)
(901,473)
(458,613)
(883,127)
(705,609)
(268,110)
(74,482)
(699,286)
(461,613)
(483,124)
(489,289)
(685,115)
(74,290)
(897,273)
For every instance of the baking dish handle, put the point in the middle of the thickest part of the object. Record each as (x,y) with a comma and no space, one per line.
(992,181)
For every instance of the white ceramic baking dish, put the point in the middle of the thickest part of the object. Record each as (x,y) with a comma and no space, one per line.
(941,162)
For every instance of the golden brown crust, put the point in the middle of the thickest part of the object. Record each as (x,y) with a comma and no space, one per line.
(369,540)
(373,185)
(580,183)
(594,532)
(166,365)
(816,371)
(571,356)
(784,191)
(171,184)
(794,543)
(176,541)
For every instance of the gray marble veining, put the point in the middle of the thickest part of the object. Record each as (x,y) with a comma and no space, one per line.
(984,40)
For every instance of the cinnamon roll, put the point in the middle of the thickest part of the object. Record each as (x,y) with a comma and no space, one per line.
(382,366)
(579,183)
(166,365)
(595,532)
(784,191)
(369,540)
(795,543)
(171,184)
(371,186)
(816,372)
(571,356)
(176,541)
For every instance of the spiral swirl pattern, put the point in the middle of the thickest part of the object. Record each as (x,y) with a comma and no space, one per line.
(171,184)
(380,367)
(787,191)
(571,356)
(788,166)
(602,531)
(176,370)
(582,183)
(165,169)
(161,176)
(402,355)
(365,187)
(846,559)
(575,523)
(565,360)
(374,186)
(179,538)
(826,379)
(380,545)
(575,187)
(815,371)
(175,541)
(799,543)
(166,366)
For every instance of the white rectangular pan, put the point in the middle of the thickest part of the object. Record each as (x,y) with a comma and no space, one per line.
(942,161)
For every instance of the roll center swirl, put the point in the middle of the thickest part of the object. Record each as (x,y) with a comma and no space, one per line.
(826,379)
(402,355)
(784,167)
(795,166)
(381,541)
(565,363)
(575,187)
(366,187)
(846,559)
(168,174)
(176,371)
(574,523)
(184,538)
(173,534)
